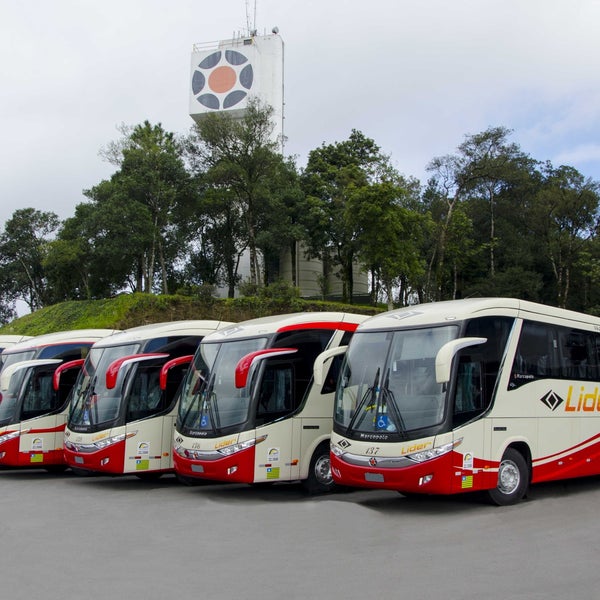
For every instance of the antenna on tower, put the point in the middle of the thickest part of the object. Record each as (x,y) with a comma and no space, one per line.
(251,23)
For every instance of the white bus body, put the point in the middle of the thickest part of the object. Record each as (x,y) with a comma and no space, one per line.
(35,381)
(123,406)
(6,341)
(480,394)
(248,409)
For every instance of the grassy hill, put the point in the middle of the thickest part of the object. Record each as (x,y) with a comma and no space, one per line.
(130,310)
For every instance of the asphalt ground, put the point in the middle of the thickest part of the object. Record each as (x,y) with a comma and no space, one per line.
(65,536)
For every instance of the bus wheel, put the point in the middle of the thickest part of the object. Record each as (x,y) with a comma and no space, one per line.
(319,480)
(513,479)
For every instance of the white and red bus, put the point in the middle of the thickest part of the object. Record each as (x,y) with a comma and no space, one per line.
(479,394)
(123,407)
(248,410)
(36,378)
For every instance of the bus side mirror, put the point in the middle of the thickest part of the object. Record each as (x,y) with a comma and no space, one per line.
(164,372)
(9,371)
(74,364)
(245,363)
(323,361)
(113,369)
(443,359)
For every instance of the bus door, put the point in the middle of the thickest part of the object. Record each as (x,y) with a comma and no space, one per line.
(145,420)
(42,422)
(275,405)
(471,400)
(168,429)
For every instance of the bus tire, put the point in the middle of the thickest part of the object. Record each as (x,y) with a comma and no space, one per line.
(319,480)
(513,479)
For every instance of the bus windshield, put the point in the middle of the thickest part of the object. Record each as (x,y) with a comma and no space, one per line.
(92,402)
(388,384)
(11,358)
(9,399)
(210,401)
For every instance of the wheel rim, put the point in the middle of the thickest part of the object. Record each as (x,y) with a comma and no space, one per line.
(323,470)
(509,477)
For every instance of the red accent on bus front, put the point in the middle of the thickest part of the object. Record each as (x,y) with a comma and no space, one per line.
(11,456)
(238,467)
(107,460)
(407,479)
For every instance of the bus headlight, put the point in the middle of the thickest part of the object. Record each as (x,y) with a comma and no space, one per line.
(235,448)
(9,436)
(100,444)
(431,453)
(336,450)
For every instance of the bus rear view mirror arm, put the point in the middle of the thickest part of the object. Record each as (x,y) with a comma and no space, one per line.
(443,359)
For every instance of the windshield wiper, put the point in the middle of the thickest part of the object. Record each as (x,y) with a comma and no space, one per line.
(371,393)
(81,408)
(213,412)
(390,402)
(196,399)
(205,395)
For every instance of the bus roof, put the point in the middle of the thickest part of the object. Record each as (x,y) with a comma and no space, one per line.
(48,339)
(10,340)
(275,323)
(458,310)
(170,328)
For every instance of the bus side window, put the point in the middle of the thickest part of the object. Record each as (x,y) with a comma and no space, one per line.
(40,397)
(468,399)
(536,355)
(275,394)
(578,355)
(330,382)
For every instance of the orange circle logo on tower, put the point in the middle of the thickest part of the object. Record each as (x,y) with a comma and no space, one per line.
(222,79)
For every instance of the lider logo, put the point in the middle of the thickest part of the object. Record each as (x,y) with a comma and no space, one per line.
(585,401)
(222,79)
(552,400)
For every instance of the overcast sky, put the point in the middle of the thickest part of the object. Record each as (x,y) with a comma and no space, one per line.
(414,75)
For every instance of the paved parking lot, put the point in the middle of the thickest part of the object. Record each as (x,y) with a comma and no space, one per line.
(65,536)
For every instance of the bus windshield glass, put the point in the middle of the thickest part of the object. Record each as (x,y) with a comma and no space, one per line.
(388,385)
(10,358)
(9,402)
(92,403)
(210,401)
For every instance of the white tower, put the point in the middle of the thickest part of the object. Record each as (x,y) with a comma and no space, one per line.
(226,74)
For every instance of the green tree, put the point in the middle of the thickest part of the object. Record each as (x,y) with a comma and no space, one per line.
(332,175)
(100,250)
(139,203)
(564,218)
(488,164)
(444,198)
(389,238)
(239,170)
(23,248)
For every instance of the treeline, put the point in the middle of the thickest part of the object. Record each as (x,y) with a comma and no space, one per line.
(179,212)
